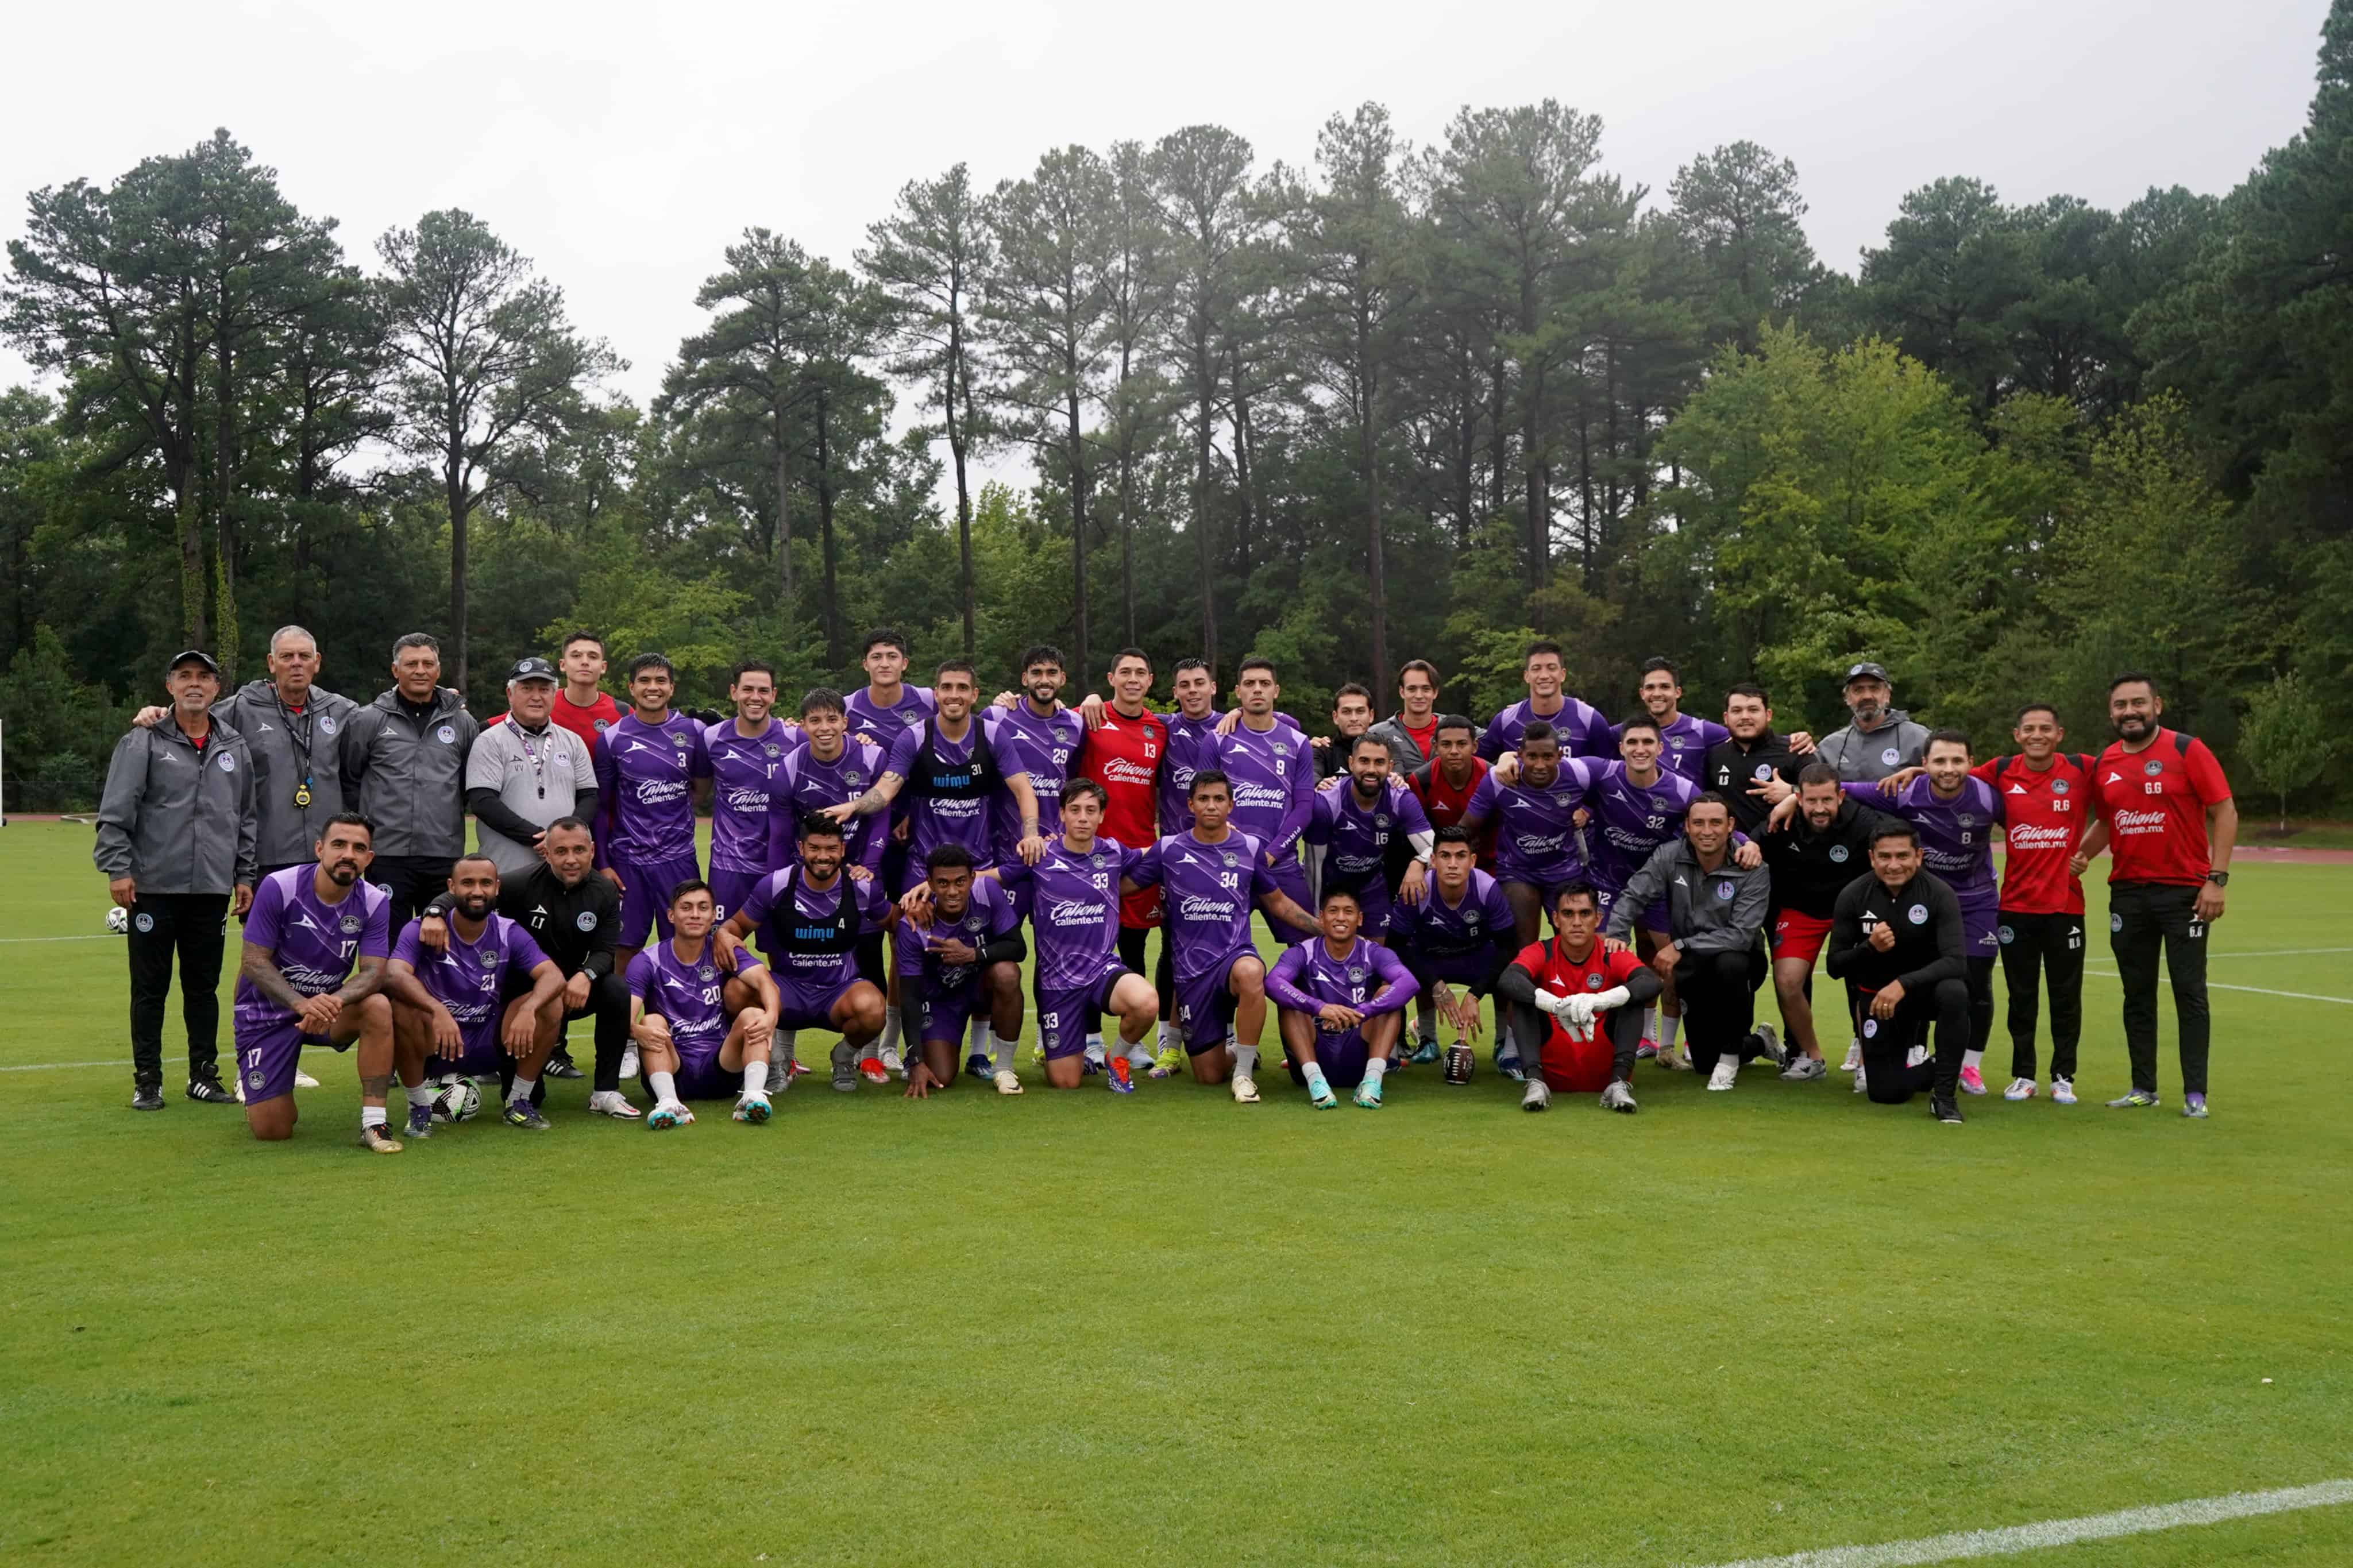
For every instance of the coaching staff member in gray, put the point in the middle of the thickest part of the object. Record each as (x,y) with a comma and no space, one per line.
(403,762)
(175,838)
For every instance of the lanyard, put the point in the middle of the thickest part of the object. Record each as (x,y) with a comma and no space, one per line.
(538,762)
(299,739)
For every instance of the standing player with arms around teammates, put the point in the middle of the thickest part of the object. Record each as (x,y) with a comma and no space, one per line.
(1340,1003)
(1036,737)
(315,944)
(583,706)
(2046,803)
(2169,822)
(1214,874)
(704,1035)
(1269,767)
(403,763)
(1461,933)
(1128,753)
(652,770)
(1445,785)
(958,955)
(1582,730)
(1073,892)
(809,917)
(1752,767)
(1684,740)
(1576,1007)
(1355,821)
(1538,848)
(746,754)
(449,1009)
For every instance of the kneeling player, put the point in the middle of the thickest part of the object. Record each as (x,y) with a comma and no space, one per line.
(1589,996)
(1898,939)
(1462,933)
(446,1012)
(1340,1003)
(296,986)
(957,956)
(810,917)
(701,1036)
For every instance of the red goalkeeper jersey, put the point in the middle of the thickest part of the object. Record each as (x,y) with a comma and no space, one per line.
(1125,756)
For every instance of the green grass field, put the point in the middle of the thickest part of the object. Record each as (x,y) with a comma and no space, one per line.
(1081,1329)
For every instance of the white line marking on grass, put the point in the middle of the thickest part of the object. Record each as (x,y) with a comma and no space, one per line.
(2256,990)
(61,1067)
(2278,953)
(2062,1532)
(103,936)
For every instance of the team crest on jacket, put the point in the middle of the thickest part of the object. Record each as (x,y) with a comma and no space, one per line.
(586,919)
(228,762)
(1891,756)
(1763,771)
(1724,891)
(1838,854)
(447,735)
(1917,914)
(326,723)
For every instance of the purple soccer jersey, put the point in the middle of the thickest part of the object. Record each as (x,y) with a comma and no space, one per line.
(1582,730)
(1368,977)
(1630,820)
(1682,745)
(1356,835)
(1209,891)
(1957,839)
(743,770)
(1274,778)
(1535,831)
(870,721)
(1041,748)
(645,783)
(1074,909)
(805,785)
(686,992)
(1192,746)
(1464,941)
(314,945)
(809,936)
(465,976)
(914,949)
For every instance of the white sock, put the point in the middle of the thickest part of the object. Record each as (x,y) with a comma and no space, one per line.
(1668,1028)
(665,1087)
(890,1029)
(1375,1069)
(1245,1060)
(1168,1034)
(1971,1058)
(371,1115)
(1095,1045)
(519,1093)
(976,1035)
(1651,1025)
(421,1095)
(781,1049)
(756,1079)
(1313,1073)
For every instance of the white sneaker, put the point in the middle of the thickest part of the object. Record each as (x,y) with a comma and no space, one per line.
(1537,1097)
(1916,1056)
(304,1080)
(2063,1091)
(1774,1051)
(1853,1062)
(613,1103)
(1858,1081)
(1007,1081)
(2019,1089)
(892,1063)
(1728,1069)
(1245,1091)
(629,1061)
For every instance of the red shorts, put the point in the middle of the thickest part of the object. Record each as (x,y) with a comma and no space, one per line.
(1140,908)
(1797,935)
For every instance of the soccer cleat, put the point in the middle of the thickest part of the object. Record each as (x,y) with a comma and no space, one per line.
(663,1118)
(1319,1095)
(1168,1061)
(2193,1106)
(1510,1067)
(1617,1096)
(1093,1066)
(1461,1062)
(1972,1081)
(560,1066)
(629,1061)
(612,1102)
(420,1121)
(1007,1081)
(1859,1087)
(1673,1058)
(892,1063)
(1726,1073)
(780,1076)
(2136,1099)
(146,1097)
(1427,1052)
(1369,1094)
(977,1066)
(872,1069)
(2063,1091)
(1853,1062)
(2019,1089)
(236,1089)
(1121,1079)
(208,1091)
(1537,1096)
(523,1114)
(1245,1091)
(304,1080)
(377,1139)
(1944,1109)
(1774,1051)
(1646,1051)
(753,1108)
(1805,1070)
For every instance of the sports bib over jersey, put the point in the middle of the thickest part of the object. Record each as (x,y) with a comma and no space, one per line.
(1208,891)
(1074,915)
(315,946)
(690,995)
(466,978)
(742,768)
(809,936)
(645,781)
(950,791)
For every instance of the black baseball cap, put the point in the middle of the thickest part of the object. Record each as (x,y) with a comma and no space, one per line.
(1867,670)
(193,655)
(533,670)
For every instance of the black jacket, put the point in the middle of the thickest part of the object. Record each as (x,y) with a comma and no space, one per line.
(1930,945)
(553,914)
(1730,769)
(1810,870)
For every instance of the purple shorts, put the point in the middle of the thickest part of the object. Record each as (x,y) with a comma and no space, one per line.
(1548,884)
(946,1014)
(1292,878)
(810,1008)
(482,1054)
(1205,1006)
(645,895)
(700,1075)
(730,889)
(1341,1056)
(1653,918)
(1980,924)
(1067,1017)
(268,1054)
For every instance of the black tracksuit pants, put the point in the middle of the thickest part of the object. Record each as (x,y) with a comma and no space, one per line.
(2032,945)
(1718,992)
(2144,917)
(608,1005)
(1888,1042)
(413,880)
(189,928)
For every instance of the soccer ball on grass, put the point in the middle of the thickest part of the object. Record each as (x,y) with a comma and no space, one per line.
(456,1099)
(118,921)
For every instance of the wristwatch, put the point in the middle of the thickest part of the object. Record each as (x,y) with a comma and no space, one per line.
(2220,878)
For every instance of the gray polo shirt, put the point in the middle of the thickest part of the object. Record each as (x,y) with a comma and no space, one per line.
(535,776)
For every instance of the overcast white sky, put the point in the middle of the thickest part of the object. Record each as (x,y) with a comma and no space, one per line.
(622,146)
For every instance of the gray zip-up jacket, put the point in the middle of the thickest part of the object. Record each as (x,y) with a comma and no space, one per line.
(1404,755)
(1721,910)
(285,832)
(177,818)
(1866,756)
(409,778)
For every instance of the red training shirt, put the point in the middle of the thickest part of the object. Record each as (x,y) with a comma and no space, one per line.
(585,722)
(1426,737)
(2155,801)
(1125,756)
(2044,816)
(1576,1067)
(1444,804)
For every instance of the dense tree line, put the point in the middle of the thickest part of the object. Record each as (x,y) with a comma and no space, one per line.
(1392,402)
